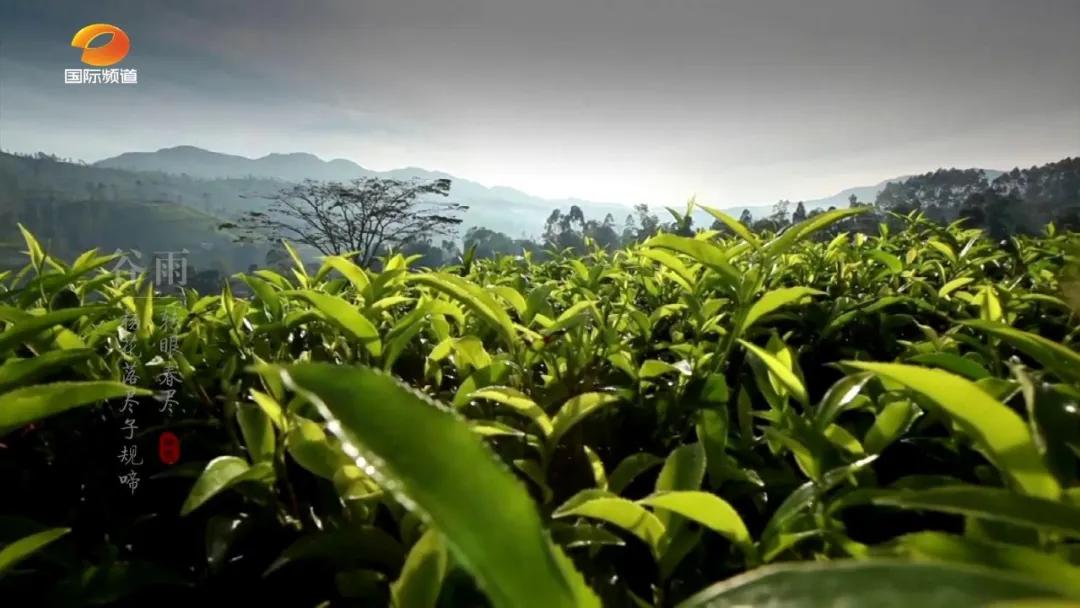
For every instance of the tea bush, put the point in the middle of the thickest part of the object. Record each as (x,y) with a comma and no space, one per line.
(810,418)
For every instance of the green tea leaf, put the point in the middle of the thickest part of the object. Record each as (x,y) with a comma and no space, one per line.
(800,231)
(350,271)
(630,468)
(27,546)
(345,546)
(493,529)
(703,251)
(33,248)
(257,430)
(577,409)
(518,401)
(474,299)
(1051,570)
(30,326)
(23,371)
(879,583)
(894,420)
(890,261)
(346,316)
(782,372)
(309,446)
(953,285)
(839,396)
(995,504)
(1060,359)
(734,225)
(995,428)
(706,509)
(953,363)
(774,300)
(422,575)
(220,474)
(270,407)
(24,405)
(623,514)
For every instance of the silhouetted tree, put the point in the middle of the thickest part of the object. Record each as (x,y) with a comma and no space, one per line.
(780,212)
(364,216)
(799,214)
(648,223)
(489,243)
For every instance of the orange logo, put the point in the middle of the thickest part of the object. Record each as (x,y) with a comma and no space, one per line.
(109,53)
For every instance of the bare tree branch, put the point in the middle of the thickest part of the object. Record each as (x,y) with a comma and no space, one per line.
(364,216)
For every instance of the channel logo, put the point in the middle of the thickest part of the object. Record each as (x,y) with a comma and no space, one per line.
(107,54)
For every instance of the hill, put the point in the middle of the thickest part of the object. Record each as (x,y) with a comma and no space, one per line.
(500,208)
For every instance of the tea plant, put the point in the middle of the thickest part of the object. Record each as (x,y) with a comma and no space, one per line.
(810,417)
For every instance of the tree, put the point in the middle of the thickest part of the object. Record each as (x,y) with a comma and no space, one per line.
(629,232)
(603,233)
(432,255)
(746,218)
(363,216)
(559,232)
(648,222)
(939,194)
(489,243)
(799,214)
(780,212)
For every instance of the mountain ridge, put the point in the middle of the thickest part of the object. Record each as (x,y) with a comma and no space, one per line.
(297,166)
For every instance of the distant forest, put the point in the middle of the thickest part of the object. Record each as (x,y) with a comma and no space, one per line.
(72,207)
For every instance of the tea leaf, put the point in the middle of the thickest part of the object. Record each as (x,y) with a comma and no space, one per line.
(706,509)
(31,403)
(346,316)
(880,583)
(27,546)
(1063,361)
(774,300)
(623,514)
(493,529)
(577,409)
(989,503)
(995,428)
(422,575)
(780,371)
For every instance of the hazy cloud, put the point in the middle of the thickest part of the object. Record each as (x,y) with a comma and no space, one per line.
(739,102)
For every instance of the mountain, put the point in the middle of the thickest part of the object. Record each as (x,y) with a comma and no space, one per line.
(177,198)
(72,208)
(865,194)
(205,164)
(500,208)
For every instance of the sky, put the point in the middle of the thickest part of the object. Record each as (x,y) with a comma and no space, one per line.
(736,102)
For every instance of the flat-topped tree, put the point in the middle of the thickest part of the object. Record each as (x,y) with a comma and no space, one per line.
(366,216)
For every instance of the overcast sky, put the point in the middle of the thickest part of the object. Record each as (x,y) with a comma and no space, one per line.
(739,102)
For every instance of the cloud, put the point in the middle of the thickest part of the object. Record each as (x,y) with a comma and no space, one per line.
(632,100)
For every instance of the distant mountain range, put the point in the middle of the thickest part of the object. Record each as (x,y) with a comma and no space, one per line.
(177,198)
(500,208)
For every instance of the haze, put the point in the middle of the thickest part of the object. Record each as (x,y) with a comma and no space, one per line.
(631,101)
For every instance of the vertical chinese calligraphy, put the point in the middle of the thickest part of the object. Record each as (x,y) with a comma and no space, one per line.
(170,270)
(168,346)
(129,451)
